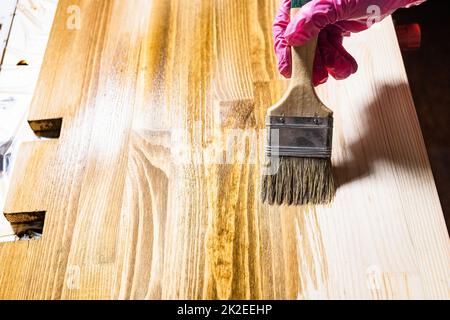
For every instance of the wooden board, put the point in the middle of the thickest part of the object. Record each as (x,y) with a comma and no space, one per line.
(141,203)
(28,37)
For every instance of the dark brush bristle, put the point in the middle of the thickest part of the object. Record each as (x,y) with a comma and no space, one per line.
(299,181)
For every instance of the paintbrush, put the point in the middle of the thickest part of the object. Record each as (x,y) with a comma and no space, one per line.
(299,138)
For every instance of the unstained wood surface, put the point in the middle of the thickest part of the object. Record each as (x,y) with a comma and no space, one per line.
(145,199)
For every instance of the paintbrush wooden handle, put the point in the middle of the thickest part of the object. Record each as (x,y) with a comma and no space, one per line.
(303,64)
(301,100)
(303,61)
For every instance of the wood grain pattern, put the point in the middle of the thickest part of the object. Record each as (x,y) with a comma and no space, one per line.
(144,198)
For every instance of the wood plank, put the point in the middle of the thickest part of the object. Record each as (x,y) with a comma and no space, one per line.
(27,41)
(141,202)
(6,17)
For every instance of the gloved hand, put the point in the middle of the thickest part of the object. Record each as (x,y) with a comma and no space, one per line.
(331,20)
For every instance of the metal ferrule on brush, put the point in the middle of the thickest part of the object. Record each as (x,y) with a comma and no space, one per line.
(305,137)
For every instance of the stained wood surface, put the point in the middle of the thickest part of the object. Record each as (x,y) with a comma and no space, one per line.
(139,205)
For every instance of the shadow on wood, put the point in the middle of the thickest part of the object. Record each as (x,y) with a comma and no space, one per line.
(381,129)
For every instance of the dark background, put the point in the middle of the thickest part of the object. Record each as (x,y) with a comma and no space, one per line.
(428,71)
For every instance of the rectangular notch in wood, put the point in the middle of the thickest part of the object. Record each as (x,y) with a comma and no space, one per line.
(48,128)
(27,225)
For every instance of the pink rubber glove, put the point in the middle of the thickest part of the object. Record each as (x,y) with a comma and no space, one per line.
(331,20)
